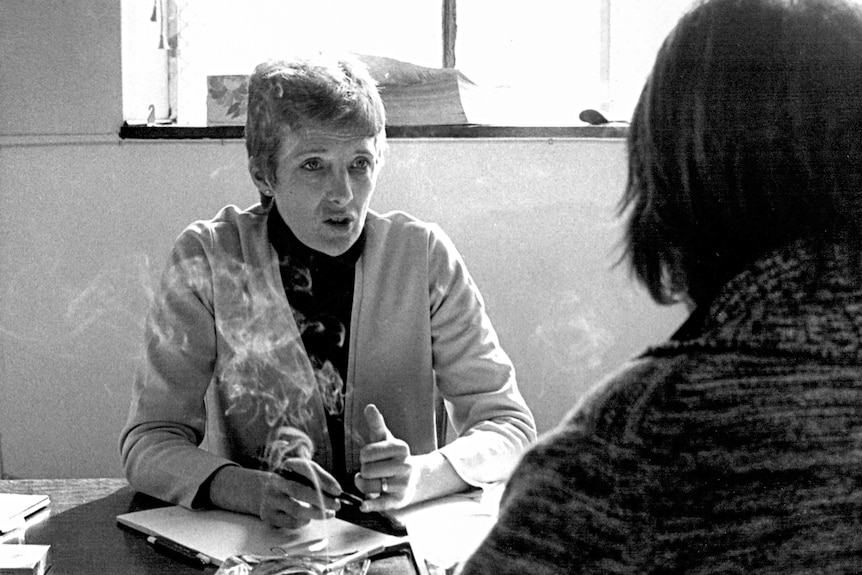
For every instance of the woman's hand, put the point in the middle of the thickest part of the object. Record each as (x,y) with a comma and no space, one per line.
(393,478)
(388,473)
(287,502)
(277,500)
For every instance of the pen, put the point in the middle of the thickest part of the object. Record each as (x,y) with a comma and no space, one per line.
(345,497)
(179,549)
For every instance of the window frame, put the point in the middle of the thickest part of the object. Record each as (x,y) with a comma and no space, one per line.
(171,131)
(460,131)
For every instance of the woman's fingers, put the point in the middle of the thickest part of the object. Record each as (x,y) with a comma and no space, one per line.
(376,424)
(308,473)
(297,495)
(385,469)
(394,450)
(292,513)
(394,483)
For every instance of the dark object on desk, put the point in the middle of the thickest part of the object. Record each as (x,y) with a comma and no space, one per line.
(179,551)
(345,498)
(350,509)
(372,520)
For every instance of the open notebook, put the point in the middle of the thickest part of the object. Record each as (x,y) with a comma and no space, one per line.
(443,531)
(215,535)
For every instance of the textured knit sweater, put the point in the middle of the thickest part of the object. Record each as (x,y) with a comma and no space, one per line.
(734,448)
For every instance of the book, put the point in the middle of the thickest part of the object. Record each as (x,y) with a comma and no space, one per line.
(415,95)
(24,559)
(19,510)
(213,535)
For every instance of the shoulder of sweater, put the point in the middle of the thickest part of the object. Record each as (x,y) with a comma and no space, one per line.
(230,217)
(229,224)
(602,430)
(396,219)
(400,225)
(667,388)
(614,409)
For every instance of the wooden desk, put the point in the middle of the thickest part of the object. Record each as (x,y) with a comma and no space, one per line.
(84,537)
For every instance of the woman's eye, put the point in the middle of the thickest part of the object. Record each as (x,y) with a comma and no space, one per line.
(312,165)
(362,163)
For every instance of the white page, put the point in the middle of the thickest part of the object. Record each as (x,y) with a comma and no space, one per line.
(15,508)
(446,531)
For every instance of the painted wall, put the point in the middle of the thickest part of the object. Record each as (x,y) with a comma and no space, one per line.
(86,221)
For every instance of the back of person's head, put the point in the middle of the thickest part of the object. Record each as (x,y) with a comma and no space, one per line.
(321,91)
(747,136)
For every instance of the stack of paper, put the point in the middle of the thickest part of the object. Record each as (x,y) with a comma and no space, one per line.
(19,511)
(24,559)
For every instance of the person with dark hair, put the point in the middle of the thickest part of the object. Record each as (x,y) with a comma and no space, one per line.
(309,335)
(735,446)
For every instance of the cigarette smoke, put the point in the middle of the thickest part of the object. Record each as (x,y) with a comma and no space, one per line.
(262,374)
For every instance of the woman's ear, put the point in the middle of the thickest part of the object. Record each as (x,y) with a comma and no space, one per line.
(261,182)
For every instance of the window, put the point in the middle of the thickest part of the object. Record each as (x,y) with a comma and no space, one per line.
(544,61)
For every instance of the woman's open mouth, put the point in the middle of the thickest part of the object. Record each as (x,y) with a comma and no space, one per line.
(339,222)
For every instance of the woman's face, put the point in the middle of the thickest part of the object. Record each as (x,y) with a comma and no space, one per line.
(324,183)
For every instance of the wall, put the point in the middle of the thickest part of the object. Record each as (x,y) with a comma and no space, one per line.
(86,221)
(60,67)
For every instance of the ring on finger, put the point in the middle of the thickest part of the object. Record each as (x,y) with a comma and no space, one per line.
(384,485)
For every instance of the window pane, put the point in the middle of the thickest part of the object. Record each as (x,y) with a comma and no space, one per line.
(637,30)
(543,54)
(221,37)
(536,63)
(145,64)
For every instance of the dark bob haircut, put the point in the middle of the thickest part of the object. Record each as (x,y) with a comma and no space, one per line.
(747,136)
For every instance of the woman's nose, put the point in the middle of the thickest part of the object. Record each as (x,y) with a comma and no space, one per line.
(340,188)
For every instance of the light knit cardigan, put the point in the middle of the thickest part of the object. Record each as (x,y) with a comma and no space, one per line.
(224,356)
(735,449)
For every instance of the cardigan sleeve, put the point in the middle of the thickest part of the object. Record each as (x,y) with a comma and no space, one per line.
(474,375)
(167,417)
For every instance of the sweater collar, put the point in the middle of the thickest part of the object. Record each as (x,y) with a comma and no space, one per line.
(290,248)
(794,301)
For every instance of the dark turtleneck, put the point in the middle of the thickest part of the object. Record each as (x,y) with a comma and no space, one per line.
(319,289)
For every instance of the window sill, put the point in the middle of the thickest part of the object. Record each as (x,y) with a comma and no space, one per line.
(150,132)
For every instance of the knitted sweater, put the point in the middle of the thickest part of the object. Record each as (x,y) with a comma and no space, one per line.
(734,448)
